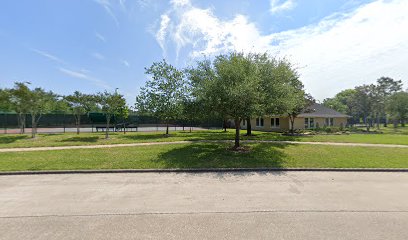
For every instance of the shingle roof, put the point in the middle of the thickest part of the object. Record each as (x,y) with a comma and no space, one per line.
(318,110)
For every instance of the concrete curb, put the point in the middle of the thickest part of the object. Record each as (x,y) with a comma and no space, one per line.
(205,170)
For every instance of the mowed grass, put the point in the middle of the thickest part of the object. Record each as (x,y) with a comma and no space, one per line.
(391,136)
(207,155)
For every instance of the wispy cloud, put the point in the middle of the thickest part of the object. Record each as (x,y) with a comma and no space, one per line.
(85,76)
(144,3)
(343,50)
(126,63)
(122,3)
(48,55)
(279,5)
(187,25)
(100,37)
(162,32)
(98,56)
(106,4)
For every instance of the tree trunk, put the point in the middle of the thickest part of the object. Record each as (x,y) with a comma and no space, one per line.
(33,126)
(191,125)
(292,125)
(237,130)
(402,122)
(107,127)
(378,121)
(385,120)
(367,124)
(225,125)
(21,122)
(78,122)
(167,129)
(249,127)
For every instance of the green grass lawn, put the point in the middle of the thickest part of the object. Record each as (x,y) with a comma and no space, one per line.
(207,155)
(71,139)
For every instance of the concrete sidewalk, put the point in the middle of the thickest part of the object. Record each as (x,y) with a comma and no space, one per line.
(189,142)
(280,205)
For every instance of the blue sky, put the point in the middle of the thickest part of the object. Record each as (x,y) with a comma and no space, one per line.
(93,45)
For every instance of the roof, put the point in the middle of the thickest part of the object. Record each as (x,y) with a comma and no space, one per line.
(318,110)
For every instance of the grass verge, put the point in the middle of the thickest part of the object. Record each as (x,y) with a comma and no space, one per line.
(69,139)
(207,155)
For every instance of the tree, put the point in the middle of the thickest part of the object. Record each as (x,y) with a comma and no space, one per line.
(385,87)
(199,77)
(5,100)
(39,102)
(397,106)
(163,95)
(19,98)
(192,111)
(124,114)
(297,103)
(341,101)
(283,90)
(231,87)
(364,102)
(111,104)
(79,104)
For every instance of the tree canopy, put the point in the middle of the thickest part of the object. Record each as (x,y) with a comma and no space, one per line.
(163,94)
(111,104)
(397,105)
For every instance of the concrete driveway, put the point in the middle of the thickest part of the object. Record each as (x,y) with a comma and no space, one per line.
(286,205)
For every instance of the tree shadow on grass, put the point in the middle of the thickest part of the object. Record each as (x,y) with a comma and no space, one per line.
(5,139)
(207,135)
(146,137)
(81,139)
(217,155)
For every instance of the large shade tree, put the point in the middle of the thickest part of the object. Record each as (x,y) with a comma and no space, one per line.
(163,94)
(231,86)
(284,93)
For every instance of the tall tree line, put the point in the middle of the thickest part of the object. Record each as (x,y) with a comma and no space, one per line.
(372,103)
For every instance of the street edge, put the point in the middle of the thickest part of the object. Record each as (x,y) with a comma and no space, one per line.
(203,170)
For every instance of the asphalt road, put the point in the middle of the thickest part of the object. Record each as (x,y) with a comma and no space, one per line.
(288,205)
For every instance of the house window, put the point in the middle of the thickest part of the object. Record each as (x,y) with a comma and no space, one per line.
(329,122)
(274,122)
(309,123)
(259,122)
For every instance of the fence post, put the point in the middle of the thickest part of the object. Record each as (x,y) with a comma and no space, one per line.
(63,121)
(5,123)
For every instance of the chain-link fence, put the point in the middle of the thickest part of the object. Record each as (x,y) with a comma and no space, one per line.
(95,122)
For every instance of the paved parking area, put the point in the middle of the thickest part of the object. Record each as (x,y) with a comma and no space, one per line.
(281,205)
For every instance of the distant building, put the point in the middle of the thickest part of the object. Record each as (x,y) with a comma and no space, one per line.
(314,116)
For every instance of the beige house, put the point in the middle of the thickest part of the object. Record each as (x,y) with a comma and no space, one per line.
(315,116)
